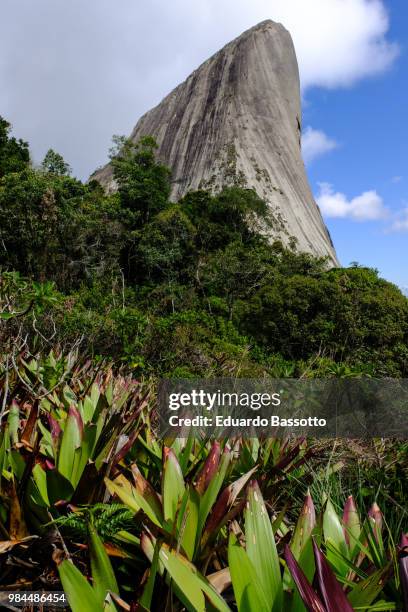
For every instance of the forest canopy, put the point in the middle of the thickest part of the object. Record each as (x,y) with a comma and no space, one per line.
(180,288)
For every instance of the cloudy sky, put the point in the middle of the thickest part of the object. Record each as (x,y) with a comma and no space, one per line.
(73,73)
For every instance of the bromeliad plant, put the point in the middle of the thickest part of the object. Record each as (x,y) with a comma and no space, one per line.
(81,595)
(331,564)
(354,572)
(58,445)
(179,519)
(187,514)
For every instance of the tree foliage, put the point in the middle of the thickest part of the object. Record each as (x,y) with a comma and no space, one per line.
(188,287)
(14,154)
(54,163)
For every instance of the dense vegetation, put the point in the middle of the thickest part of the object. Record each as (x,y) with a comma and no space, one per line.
(186,288)
(100,294)
(93,500)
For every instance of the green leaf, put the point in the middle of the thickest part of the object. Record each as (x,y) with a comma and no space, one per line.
(184,456)
(102,573)
(261,547)
(81,597)
(304,527)
(71,440)
(225,501)
(146,599)
(58,487)
(372,538)
(90,403)
(189,585)
(247,588)
(14,422)
(40,479)
(208,499)
(351,521)
(334,534)
(188,521)
(6,316)
(83,454)
(365,591)
(172,484)
(147,492)
(131,497)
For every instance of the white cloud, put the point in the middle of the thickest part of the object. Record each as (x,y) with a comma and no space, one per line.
(99,64)
(396,179)
(368,206)
(316,143)
(338,42)
(400,223)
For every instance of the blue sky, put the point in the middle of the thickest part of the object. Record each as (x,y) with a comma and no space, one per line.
(74,73)
(369,122)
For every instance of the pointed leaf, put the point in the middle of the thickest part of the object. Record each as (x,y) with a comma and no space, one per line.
(224,503)
(71,440)
(14,422)
(172,484)
(81,597)
(189,585)
(102,572)
(131,497)
(146,599)
(83,454)
(261,547)
(376,514)
(187,521)
(365,591)
(304,527)
(248,591)
(352,526)
(208,499)
(334,534)
(147,492)
(306,592)
(209,469)
(330,589)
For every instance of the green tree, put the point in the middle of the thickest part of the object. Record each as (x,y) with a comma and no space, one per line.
(53,227)
(349,314)
(14,154)
(233,215)
(143,182)
(166,245)
(236,272)
(54,163)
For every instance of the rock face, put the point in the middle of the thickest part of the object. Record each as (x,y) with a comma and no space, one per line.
(236,120)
